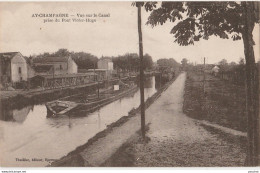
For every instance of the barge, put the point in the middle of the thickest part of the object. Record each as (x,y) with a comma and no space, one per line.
(80,104)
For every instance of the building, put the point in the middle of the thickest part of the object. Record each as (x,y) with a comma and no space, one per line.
(102,74)
(215,70)
(105,68)
(55,65)
(105,63)
(43,69)
(14,67)
(30,69)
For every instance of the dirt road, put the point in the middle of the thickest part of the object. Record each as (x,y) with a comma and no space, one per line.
(177,140)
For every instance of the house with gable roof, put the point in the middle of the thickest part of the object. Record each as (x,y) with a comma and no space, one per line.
(55,65)
(13,67)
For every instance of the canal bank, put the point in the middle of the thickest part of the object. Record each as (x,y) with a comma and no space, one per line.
(20,99)
(93,152)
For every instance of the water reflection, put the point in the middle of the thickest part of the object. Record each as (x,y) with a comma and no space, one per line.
(52,138)
(17,115)
(148,83)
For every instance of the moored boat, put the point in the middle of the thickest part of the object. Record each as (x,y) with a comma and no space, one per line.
(80,104)
(59,107)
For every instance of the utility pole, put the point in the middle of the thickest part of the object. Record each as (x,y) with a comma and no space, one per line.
(53,76)
(141,70)
(160,78)
(96,78)
(204,76)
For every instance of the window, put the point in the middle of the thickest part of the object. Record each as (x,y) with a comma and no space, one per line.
(60,67)
(20,70)
(21,78)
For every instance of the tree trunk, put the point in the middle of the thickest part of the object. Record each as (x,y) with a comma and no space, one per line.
(141,72)
(251,87)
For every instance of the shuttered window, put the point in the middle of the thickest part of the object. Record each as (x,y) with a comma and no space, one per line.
(20,70)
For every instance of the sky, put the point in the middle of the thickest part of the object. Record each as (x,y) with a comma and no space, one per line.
(108,36)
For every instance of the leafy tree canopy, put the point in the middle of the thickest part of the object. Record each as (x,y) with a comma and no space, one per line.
(167,63)
(196,20)
(184,61)
(131,62)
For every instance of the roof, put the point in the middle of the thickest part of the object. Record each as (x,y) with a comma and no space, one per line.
(105,59)
(42,68)
(28,60)
(8,55)
(51,59)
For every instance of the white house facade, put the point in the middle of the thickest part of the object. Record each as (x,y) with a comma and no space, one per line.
(18,68)
(105,63)
(72,66)
(58,65)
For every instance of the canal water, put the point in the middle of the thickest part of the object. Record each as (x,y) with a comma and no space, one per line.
(29,138)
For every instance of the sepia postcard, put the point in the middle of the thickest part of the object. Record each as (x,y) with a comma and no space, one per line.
(130,84)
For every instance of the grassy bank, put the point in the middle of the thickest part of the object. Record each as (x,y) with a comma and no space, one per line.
(222,103)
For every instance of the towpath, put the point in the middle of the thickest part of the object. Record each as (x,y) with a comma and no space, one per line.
(176,140)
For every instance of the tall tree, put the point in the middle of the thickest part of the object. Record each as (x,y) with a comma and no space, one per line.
(184,63)
(223,65)
(200,20)
(84,60)
(223,62)
(148,62)
(241,61)
(62,52)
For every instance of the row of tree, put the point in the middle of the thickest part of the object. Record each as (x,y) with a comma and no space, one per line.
(235,72)
(127,62)
(232,71)
(165,65)
(131,62)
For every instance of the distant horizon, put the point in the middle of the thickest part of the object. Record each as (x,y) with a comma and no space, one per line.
(108,36)
(99,57)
